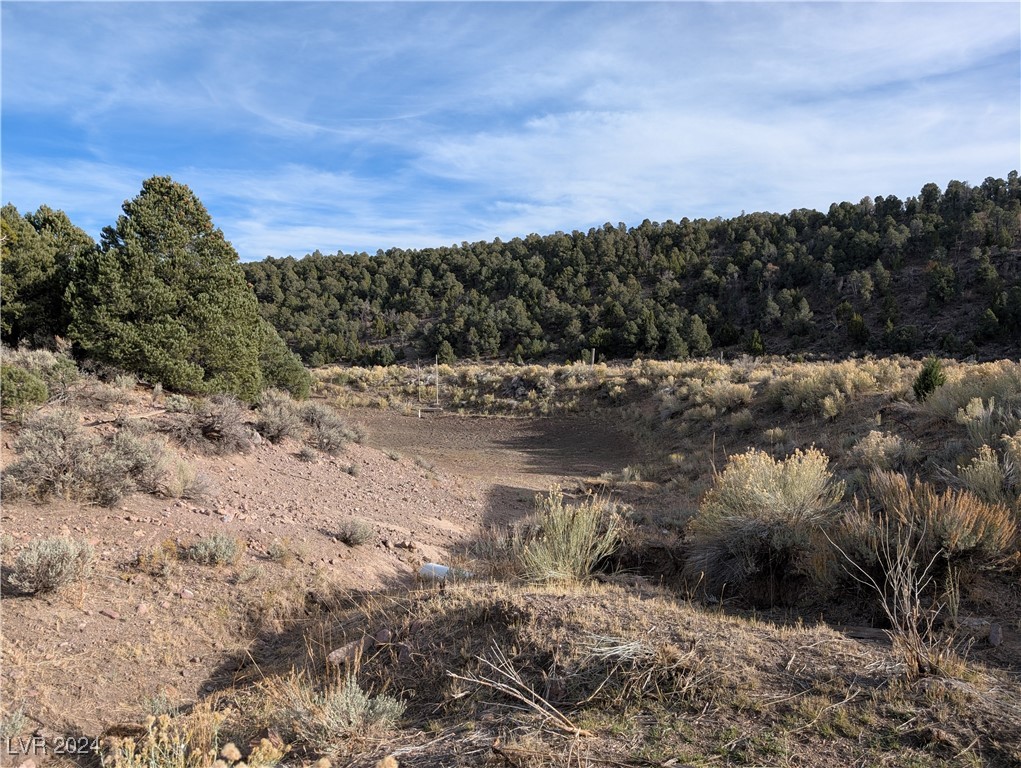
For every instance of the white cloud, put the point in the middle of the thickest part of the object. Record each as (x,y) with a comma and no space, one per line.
(361,126)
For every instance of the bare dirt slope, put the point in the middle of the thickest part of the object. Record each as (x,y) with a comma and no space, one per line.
(137,635)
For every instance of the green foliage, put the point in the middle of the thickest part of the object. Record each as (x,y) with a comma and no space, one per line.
(758,528)
(280,367)
(20,389)
(36,252)
(929,379)
(165,298)
(445,353)
(50,564)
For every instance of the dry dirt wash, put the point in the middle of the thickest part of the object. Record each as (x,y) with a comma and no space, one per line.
(99,655)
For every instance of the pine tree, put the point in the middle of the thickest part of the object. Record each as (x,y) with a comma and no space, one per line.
(164,297)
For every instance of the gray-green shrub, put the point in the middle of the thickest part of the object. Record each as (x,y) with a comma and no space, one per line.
(49,564)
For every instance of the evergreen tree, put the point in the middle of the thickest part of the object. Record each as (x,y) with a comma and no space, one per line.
(37,251)
(164,297)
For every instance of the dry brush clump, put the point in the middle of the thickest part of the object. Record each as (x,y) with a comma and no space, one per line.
(327,430)
(217,549)
(911,546)
(330,717)
(884,451)
(57,457)
(278,416)
(758,530)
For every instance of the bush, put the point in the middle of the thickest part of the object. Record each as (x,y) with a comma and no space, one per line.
(568,541)
(49,564)
(758,528)
(216,425)
(929,379)
(278,416)
(54,455)
(325,720)
(20,389)
(354,532)
(218,549)
(57,458)
(956,529)
(879,451)
(329,432)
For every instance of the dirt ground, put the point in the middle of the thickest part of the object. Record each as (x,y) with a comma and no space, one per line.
(96,657)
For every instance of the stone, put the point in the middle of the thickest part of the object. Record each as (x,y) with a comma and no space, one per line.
(350,651)
(383,636)
(995,635)
(110,614)
(403,653)
(186,594)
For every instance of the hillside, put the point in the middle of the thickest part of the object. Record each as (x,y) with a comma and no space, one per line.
(261,590)
(937,273)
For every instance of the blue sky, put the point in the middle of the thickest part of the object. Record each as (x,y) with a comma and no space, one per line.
(359,126)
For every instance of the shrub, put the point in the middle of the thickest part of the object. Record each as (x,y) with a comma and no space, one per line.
(49,564)
(758,528)
(354,532)
(221,419)
(57,458)
(568,541)
(325,720)
(954,529)
(57,371)
(329,433)
(216,425)
(218,549)
(879,450)
(184,482)
(53,454)
(20,389)
(278,416)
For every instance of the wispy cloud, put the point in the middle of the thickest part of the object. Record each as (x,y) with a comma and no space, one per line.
(359,126)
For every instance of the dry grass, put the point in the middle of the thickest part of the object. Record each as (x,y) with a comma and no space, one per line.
(567,542)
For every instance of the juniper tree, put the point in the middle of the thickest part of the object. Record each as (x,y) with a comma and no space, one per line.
(164,297)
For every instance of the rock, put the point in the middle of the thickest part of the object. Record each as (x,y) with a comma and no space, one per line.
(350,651)
(407,544)
(30,763)
(186,594)
(383,636)
(388,762)
(143,609)
(403,653)
(110,614)
(995,635)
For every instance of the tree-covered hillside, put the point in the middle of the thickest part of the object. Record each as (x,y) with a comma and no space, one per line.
(937,272)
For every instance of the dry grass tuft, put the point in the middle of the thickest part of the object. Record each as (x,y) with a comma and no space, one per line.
(566,542)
